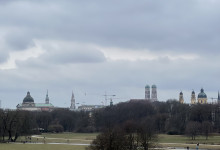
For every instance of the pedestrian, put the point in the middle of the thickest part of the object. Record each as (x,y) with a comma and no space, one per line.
(197,146)
(187,147)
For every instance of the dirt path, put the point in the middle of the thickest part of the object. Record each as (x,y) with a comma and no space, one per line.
(183,145)
(40,137)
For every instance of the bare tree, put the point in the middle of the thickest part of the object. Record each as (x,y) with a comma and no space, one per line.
(193,128)
(146,134)
(207,128)
(110,139)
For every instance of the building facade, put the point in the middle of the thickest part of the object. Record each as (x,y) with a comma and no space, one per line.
(89,107)
(28,104)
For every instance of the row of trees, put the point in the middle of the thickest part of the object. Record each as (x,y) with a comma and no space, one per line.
(162,117)
(168,117)
(23,123)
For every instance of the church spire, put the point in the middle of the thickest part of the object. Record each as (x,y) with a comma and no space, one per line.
(72,107)
(47,98)
(218,98)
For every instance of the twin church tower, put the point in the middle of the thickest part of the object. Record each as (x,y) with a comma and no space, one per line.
(153,96)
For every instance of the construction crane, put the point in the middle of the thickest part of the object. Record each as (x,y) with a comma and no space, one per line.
(106,97)
(212,98)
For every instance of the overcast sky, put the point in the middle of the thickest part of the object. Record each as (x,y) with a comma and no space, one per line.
(113,47)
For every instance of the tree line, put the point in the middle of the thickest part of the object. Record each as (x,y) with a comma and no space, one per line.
(15,123)
(168,117)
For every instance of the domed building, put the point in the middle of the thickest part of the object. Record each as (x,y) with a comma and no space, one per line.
(202,97)
(29,105)
(28,101)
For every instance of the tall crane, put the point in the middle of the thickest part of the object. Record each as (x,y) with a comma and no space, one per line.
(106,97)
(212,98)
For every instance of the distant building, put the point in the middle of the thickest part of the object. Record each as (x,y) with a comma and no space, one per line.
(147,92)
(72,106)
(29,105)
(193,97)
(90,107)
(218,100)
(153,96)
(47,98)
(154,93)
(202,97)
(149,96)
(181,99)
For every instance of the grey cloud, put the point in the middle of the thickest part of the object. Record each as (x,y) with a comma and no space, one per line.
(18,41)
(74,56)
(163,26)
(3,56)
(53,58)
(155,25)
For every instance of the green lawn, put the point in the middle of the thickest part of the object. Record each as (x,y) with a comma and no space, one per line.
(88,136)
(39,147)
(79,138)
(64,140)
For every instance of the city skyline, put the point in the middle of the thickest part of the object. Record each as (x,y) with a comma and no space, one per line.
(77,103)
(114,47)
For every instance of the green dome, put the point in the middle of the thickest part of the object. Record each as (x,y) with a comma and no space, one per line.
(147,87)
(181,93)
(193,92)
(154,86)
(202,94)
(28,98)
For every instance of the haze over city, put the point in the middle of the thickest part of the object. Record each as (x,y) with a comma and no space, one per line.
(113,47)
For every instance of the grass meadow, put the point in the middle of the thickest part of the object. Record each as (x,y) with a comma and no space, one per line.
(79,141)
(213,142)
(40,147)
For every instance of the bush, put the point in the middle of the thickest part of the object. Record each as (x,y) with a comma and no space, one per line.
(55,128)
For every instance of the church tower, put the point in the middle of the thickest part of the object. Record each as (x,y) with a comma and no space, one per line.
(47,98)
(147,92)
(218,98)
(202,97)
(72,107)
(153,93)
(181,99)
(193,97)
